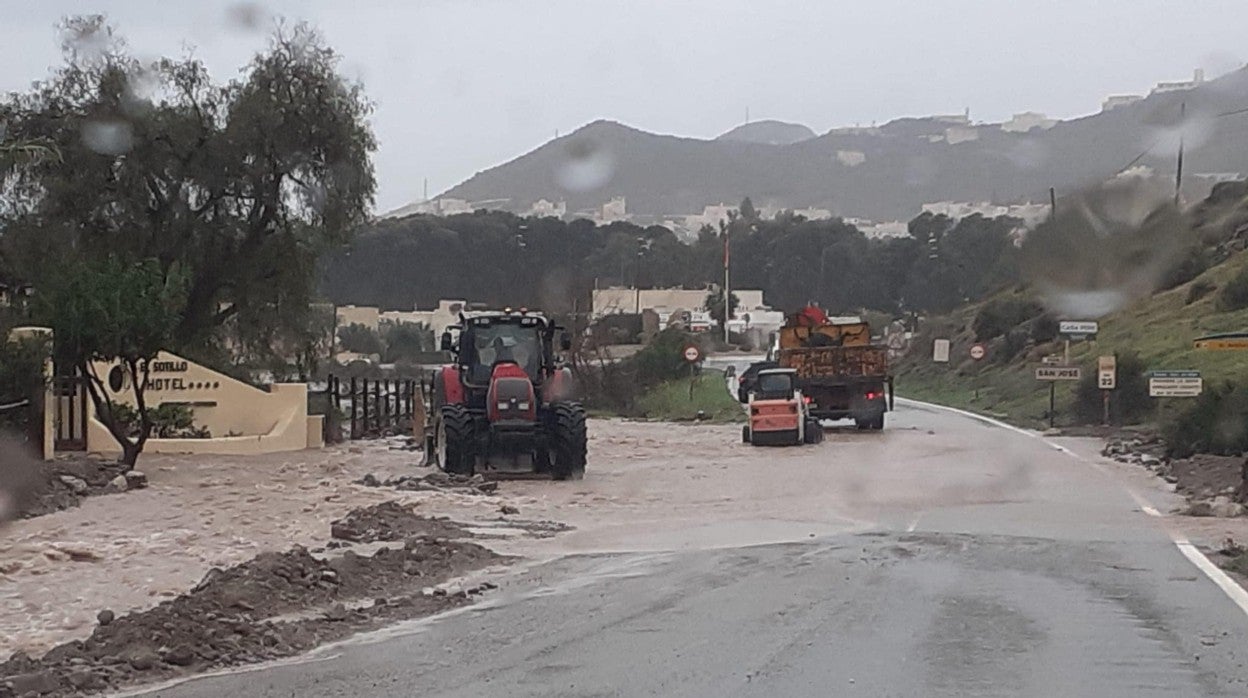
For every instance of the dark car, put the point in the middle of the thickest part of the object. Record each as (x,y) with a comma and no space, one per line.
(749,377)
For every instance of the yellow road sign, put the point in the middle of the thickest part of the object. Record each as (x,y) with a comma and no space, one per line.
(1222,343)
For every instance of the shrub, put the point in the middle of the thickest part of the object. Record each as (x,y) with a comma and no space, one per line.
(1217,422)
(1194,262)
(360,339)
(1234,295)
(1128,401)
(1000,315)
(1044,329)
(169,421)
(1198,290)
(1014,342)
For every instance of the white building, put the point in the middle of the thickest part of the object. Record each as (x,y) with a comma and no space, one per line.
(619,299)
(851,158)
(1025,121)
(1198,77)
(886,229)
(961,134)
(1114,101)
(812,214)
(1029,213)
(713,216)
(546,209)
(614,210)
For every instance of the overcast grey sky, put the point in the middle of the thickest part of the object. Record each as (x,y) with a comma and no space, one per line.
(462,85)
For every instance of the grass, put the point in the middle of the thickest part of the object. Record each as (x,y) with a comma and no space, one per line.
(674,401)
(1160,328)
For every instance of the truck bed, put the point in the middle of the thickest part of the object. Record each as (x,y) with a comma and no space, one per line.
(836,362)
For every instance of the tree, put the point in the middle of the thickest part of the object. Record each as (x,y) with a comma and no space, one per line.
(238,186)
(406,341)
(715,304)
(111,312)
(748,212)
(360,339)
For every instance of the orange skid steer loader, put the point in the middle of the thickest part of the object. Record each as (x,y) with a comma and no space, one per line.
(779,413)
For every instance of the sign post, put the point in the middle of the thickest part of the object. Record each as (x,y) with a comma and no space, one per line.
(1076,330)
(1106,380)
(1053,374)
(691,354)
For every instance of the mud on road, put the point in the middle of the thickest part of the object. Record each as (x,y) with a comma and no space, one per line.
(275,605)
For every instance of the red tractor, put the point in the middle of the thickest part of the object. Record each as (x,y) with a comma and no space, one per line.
(504,404)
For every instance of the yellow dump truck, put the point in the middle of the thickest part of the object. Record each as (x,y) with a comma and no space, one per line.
(839,370)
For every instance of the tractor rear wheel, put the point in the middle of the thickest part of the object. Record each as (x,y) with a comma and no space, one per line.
(568,440)
(454,440)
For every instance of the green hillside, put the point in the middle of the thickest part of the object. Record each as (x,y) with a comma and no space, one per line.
(1160,328)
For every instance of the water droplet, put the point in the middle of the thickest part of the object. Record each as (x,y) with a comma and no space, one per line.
(587,165)
(1105,247)
(108,137)
(246,16)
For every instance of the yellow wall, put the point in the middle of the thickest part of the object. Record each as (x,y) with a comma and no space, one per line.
(241,418)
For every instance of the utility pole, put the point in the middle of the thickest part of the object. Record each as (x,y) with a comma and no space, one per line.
(727,289)
(1052,203)
(1178,170)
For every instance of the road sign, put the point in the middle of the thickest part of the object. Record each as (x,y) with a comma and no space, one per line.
(978,351)
(692,354)
(1077,328)
(1225,341)
(1052,360)
(1106,372)
(940,351)
(1057,373)
(1175,384)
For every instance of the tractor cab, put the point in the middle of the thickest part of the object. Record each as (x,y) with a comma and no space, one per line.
(503,403)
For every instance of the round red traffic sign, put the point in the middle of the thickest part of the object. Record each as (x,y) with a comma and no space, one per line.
(692,354)
(978,351)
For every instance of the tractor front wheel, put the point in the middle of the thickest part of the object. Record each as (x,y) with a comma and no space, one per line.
(568,440)
(454,439)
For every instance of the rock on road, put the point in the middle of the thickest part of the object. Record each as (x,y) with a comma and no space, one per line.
(943,557)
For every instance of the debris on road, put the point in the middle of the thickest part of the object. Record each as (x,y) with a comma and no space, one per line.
(1212,484)
(65,482)
(274,605)
(436,481)
(391,521)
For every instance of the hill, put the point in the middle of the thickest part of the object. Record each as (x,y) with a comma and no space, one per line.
(902,164)
(768,131)
(1159,328)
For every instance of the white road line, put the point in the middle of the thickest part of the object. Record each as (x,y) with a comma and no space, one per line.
(1213,572)
(1223,581)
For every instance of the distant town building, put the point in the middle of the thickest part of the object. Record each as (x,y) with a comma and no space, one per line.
(1029,213)
(963,119)
(713,216)
(614,210)
(811,214)
(1114,101)
(885,229)
(1198,77)
(961,134)
(546,209)
(1025,121)
(438,319)
(664,301)
(851,158)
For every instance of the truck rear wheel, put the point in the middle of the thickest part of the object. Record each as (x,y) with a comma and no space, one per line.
(454,439)
(814,432)
(569,441)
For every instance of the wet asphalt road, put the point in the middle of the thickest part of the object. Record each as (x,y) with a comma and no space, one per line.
(980,562)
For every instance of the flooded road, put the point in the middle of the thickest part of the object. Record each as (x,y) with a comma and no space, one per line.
(945,556)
